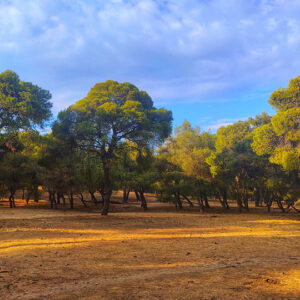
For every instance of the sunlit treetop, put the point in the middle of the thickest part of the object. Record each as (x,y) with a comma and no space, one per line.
(286,98)
(111,113)
(280,139)
(229,136)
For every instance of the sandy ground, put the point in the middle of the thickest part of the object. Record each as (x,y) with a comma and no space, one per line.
(159,254)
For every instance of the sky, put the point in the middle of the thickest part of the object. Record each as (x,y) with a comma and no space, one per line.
(212,62)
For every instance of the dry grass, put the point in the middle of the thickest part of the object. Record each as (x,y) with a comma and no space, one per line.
(160,254)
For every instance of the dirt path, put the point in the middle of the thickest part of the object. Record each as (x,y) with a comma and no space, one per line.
(153,255)
(92,284)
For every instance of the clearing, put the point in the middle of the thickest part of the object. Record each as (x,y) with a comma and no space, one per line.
(159,254)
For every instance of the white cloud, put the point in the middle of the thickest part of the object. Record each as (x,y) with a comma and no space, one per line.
(185,50)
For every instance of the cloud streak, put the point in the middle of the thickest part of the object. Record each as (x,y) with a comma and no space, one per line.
(216,124)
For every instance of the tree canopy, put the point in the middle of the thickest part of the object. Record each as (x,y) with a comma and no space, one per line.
(111,113)
(22,104)
(116,139)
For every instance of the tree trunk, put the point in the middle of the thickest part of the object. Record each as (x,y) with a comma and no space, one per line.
(225,200)
(58,198)
(178,201)
(188,200)
(261,197)
(278,200)
(93,198)
(50,199)
(269,203)
(239,202)
(102,194)
(12,199)
(28,197)
(221,201)
(245,202)
(206,202)
(107,189)
(256,197)
(64,200)
(200,203)
(125,195)
(82,199)
(137,195)
(54,200)
(143,201)
(71,199)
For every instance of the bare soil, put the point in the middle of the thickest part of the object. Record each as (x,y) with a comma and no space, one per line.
(159,254)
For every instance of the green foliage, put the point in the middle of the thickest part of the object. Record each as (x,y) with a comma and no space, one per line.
(228,137)
(111,114)
(281,138)
(264,140)
(111,140)
(287,124)
(22,104)
(287,98)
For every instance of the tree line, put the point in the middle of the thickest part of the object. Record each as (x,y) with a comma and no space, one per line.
(116,139)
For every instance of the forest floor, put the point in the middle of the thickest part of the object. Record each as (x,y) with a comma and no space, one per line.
(159,254)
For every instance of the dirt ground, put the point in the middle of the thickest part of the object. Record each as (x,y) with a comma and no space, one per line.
(159,254)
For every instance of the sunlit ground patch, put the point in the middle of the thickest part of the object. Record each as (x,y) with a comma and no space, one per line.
(115,235)
(275,221)
(285,283)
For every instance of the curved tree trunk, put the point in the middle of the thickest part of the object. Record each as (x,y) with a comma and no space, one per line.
(93,198)
(102,193)
(221,201)
(188,200)
(137,195)
(12,199)
(200,202)
(143,201)
(82,199)
(278,200)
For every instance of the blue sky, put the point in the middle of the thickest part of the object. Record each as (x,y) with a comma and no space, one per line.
(211,62)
